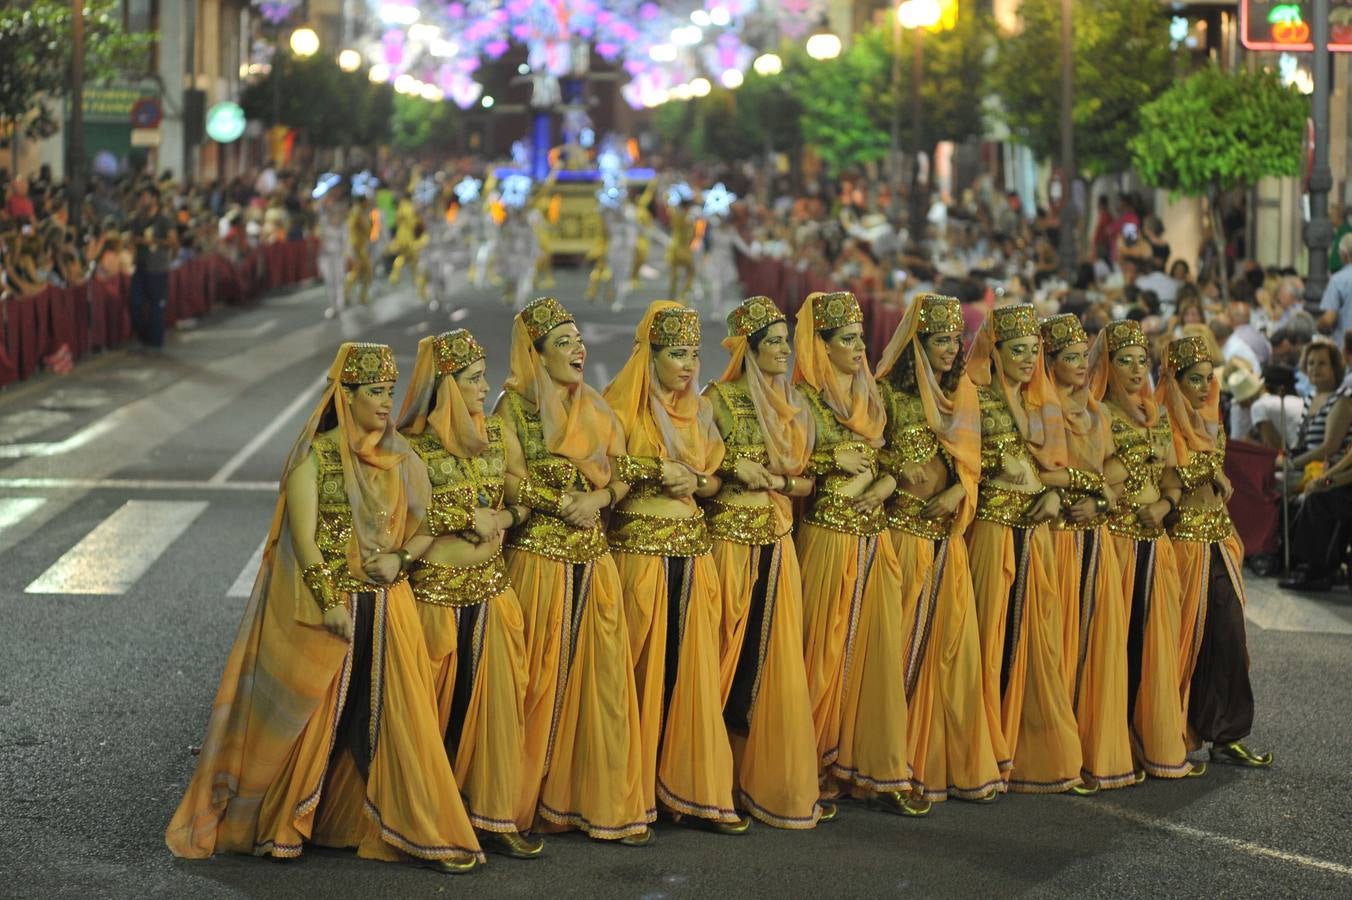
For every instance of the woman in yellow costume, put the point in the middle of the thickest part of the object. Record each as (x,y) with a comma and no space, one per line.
(1217,696)
(1143,443)
(324,726)
(359,271)
(1019,608)
(680,252)
(852,595)
(470,615)
(1095,643)
(673,602)
(933,451)
(768,436)
(583,762)
(410,238)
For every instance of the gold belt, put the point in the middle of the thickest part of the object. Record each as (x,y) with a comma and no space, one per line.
(755,526)
(1006,507)
(836,512)
(1204,525)
(459,585)
(903,514)
(658,535)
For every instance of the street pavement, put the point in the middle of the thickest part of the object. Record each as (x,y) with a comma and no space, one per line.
(135,492)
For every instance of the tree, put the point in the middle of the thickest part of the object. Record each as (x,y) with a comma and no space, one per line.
(952,86)
(419,123)
(1122,61)
(846,103)
(1216,131)
(331,107)
(35,44)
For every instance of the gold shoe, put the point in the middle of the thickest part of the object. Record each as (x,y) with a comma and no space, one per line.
(1087,787)
(1236,754)
(989,797)
(829,812)
(642,839)
(1140,777)
(740,827)
(900,804)
(461,866)
(1197,771)
(514,844)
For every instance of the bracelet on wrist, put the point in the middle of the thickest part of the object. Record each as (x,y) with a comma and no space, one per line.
(319,580)
(612,494)
(405,559)
(789,485)
(701,481)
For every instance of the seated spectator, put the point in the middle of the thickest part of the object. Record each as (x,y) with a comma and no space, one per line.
(1233,347)
(1240,320)
(1154,280)
(1336,306)
(1180,271)
(1256,414)
(1326,425)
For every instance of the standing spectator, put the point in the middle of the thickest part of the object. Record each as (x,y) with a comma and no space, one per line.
(19,206)
(154,236)
(1154,236)
(1344,217)
(1336,306)
(1103,231)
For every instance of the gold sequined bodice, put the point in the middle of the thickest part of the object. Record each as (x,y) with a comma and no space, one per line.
(828,507)
(1000,439)
(1202,515)
(545,533)
(1143,452)
(333,528)
(461,484)
(910,442)
(735,416)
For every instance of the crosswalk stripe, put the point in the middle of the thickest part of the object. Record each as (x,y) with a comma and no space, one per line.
(243,585)
(111,558)
(1273,609)
(14,510)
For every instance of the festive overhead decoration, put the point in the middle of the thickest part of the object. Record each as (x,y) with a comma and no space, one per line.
(467,190)
(364,184)
(718,201)
(425,193)
(327,182)
(275,12)
(679,193)
(516,191)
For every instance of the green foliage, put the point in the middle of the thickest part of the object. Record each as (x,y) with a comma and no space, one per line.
(334,108)
(1215,131)
(417,123)
(36,49)
(762,115)
(953,85)
(1122,61)
(847,103)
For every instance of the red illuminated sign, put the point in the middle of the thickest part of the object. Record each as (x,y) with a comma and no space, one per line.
(1284,25)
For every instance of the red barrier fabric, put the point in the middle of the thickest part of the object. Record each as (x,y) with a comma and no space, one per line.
(1255,507)
(93,315)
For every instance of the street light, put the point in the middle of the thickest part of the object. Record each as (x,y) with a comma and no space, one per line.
(304,42)
(823,45)
(915,16)
(731,79)
(768,64)
(349,60)
(379,74)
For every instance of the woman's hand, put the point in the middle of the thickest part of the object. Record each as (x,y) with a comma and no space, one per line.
(581,509)
(1013,471)
(382,568)
(944,504)
(1318,485)
(1152,514)
(752,474)
(1223,485)
(1048,508)
(1083,511)
(678,482)
(852,461)
(487,524)
(1109,495)
(338,621)
(874,495)
(916,476)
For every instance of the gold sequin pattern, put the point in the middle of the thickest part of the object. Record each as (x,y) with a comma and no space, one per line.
(1015,321)
(1012,508)
(369,364)
(753,314)
(460,486)
(675,327)
(633,470)
(835,310)
(1206,525)
(543,315)
(939,314)
(903,514)
(658,535)
(1187,352)
(1126,333)
(827,506)
(755,526)
(1142,452)
(909,438)
(459,585)
(455,350)
(333,527)
(1060,331)
(999,434)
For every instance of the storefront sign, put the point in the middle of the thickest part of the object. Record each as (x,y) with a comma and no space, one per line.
(1285,25)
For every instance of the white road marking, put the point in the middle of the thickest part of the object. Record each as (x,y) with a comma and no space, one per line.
(112,557)
(55,448)
(1272,609)
(14,510)
(132,484)
(418,328)
(227,333)
(1248,848)
(258,440)
(244,583)
(17,426)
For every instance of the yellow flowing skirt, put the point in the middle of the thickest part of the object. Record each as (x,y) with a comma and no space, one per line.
(1095,646)
(775,757)
(956,743)
(1154,645)
(854,651)
(1019,618)
(264,771)
(492,726)
(583,760)
(687,762)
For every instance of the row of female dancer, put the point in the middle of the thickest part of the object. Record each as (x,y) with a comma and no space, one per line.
(792,587)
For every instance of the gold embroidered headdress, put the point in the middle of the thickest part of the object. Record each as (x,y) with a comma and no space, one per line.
(1187,352)
(1019,320)
(368,364)
(1124,334)
(753,314)
(674,327)
(543,315)
(939,314)
(834,310)
(1059,332)
(455,350)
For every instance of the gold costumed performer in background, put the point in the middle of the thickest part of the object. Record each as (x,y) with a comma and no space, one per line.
(584,759)
(768,436)
(1019,604)
(673,601)
(324,726)
(1143,443)
(1095,643)
(470,615)
(1217,696)
(933,450)
(852,596)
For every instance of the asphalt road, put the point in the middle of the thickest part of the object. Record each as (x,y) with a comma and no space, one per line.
(134,494)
